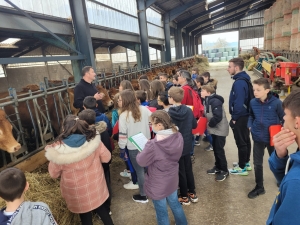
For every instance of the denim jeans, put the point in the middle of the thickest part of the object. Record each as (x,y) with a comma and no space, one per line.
(162,210)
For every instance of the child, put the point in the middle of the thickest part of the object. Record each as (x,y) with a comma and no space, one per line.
(199,83)
(161,156)
(164,77)
(13,186)
(144,85)
(114,113)
(133,119)
(207,80)
(265,110)
(162,100)
(217,126)
(175,80)
(90,102)
(125,84)
(141,97)
(89,116)
(76,157)
(182,116)
(155,87)
(195,73)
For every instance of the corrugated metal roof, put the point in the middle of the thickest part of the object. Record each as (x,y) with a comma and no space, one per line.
(251,32)
(233,25)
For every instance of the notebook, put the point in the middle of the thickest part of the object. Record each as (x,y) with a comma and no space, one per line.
(139,140)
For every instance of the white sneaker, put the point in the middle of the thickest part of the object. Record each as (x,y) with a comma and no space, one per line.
(131,186)
(125,173)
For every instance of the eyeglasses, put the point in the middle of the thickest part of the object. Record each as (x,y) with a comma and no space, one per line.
(119,100)
(169,96)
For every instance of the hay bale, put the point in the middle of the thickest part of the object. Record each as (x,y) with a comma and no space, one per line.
(42,188)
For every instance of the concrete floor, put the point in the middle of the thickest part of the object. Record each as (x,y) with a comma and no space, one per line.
(223,203)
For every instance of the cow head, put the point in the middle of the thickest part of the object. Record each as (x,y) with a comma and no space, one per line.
(106,100)
(7,141)
(112,92)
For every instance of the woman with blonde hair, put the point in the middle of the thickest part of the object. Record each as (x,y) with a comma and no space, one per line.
(133,119)
(156,86)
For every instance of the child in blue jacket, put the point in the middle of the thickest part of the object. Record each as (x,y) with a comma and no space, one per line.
(265,110)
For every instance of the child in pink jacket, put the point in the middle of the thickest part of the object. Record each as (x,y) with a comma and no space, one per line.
(76,157)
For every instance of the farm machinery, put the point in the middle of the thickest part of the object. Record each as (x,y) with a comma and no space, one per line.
(282,73)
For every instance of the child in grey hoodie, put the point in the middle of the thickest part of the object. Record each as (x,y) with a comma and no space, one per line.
(13,186)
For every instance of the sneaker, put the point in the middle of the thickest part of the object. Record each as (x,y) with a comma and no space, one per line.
(256,192)
(205,139)
(125,173)
(209,148)
(193,197)
(193,158)
(222,175)
(140,199)
(248,166)
(214,170)
(239,171)
(184,200)
(131,186)
(197,143)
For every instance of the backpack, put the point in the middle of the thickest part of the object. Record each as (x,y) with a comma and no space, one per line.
(198,107)
(250,93)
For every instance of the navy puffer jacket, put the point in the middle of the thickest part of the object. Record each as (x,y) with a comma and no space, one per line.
(263,115)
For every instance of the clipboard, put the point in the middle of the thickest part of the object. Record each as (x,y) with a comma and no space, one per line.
(139,140)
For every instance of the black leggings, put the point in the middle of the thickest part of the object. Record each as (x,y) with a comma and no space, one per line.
(87,218)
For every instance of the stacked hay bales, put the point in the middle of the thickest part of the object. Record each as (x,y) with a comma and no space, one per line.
(221,54)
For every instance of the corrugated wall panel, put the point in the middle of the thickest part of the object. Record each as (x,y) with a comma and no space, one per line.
(155,31)
(57,8)
(251,32)
(255,15)
(106,17)
(154,17)
(128,6)
(228,26)
(252,22)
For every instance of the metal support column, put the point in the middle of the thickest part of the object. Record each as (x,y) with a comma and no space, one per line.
(178,38)
(82,33)
(142,18)
(192,45)
(197,45)
(127,60)
(75,64)
(167,38)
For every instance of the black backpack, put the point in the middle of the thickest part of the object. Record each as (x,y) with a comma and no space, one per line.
(250,93)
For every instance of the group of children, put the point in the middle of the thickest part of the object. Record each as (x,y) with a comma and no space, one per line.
(81,154)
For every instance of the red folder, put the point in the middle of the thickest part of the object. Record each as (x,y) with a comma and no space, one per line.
(201,126)
(274,129)
(116,128)
(152,109)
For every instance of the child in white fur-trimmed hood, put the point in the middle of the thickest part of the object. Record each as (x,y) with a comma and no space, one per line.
(76,157)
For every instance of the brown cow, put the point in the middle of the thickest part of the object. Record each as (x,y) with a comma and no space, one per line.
(106,100)
(112,92)
(7,141)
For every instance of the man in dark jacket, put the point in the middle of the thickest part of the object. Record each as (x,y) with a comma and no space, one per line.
(182,116)
(86,88)
(238,98)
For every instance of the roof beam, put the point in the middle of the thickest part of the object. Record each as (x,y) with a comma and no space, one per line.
(13,60)
(149,3)
(186,22)
(27,50)
(232,18)
(174,13)
(195,26)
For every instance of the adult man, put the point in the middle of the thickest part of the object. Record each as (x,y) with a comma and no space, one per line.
(86,88)
(238,98)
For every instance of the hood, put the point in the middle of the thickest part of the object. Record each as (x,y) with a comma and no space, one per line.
(101,127)
(242,74)
(32,213)
(170,137)
(75,140)
(296,159)
(270,98)
(214,96)
(61,154)
(178,112)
